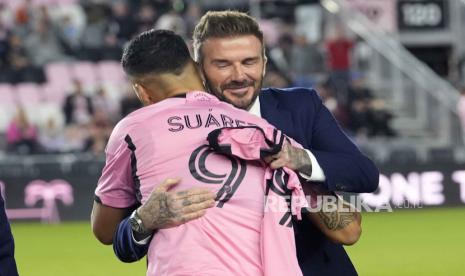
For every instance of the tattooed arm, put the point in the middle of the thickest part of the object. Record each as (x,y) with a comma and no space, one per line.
(163,209)
(340,221)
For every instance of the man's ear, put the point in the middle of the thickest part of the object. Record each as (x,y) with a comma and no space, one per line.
(265,59)
(142,93)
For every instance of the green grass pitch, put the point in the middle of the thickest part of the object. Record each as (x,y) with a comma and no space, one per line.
(408,242)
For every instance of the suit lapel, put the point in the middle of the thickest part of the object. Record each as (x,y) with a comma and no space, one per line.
(275,114)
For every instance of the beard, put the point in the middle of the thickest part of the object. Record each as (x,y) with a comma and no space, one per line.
(241,104)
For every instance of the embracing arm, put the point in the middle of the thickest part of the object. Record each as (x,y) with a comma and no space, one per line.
(341,224)
(105,220)
(163,209)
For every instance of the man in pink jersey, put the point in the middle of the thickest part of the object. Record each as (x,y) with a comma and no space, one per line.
(169,139)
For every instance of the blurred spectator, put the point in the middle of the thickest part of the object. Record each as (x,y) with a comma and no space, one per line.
(129,103)
(78,108)
(461,111)
(275,79)
(42,46)
(172,21)
(97,43)
(69,34)
(380,119)
(359,100)
(146,16)
(21,135)
(362,54)
(281,54)
(359,118)
(338,50)
(191,17)
(107,105)
(122,23)
(307,61)
(51,137)
(92,39)
(328,99)
(6,15)
(20,68)
(23,13)
(368,116)
(41,15)
(5,34)
(358,90)
(75,138)
(100,130)
(69,22)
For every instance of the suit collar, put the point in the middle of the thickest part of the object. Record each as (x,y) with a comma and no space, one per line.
(275,113)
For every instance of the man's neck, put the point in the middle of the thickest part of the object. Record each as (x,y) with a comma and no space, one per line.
(183,90)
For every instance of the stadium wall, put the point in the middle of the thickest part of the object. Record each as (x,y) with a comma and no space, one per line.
(61,189)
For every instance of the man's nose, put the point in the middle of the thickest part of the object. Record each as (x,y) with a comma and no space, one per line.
(238,73)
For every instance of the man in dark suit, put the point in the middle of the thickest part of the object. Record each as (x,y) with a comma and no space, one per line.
(7,246)
(229,49)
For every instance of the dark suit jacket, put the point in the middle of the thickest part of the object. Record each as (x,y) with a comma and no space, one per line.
(300,114)
(7,247)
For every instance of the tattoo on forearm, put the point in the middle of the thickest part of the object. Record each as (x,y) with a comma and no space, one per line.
(337,220)
(303,162)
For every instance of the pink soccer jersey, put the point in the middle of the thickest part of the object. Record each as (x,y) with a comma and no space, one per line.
(167,140)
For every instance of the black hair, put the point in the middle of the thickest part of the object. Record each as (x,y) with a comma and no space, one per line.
(155,51)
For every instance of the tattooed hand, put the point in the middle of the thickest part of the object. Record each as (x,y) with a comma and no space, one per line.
(291,157)
(166,209)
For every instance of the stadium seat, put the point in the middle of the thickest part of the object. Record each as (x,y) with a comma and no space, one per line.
(58,74)
(111,71)
(29,94)
(6,95)
(85,72)
(54,94)
(7,105)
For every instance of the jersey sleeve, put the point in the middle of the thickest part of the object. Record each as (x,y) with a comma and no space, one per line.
(116,187)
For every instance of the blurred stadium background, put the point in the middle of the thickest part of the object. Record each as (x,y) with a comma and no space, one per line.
(391,71)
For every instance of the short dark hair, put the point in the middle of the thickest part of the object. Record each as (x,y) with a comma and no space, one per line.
(155,52)
(221,24)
